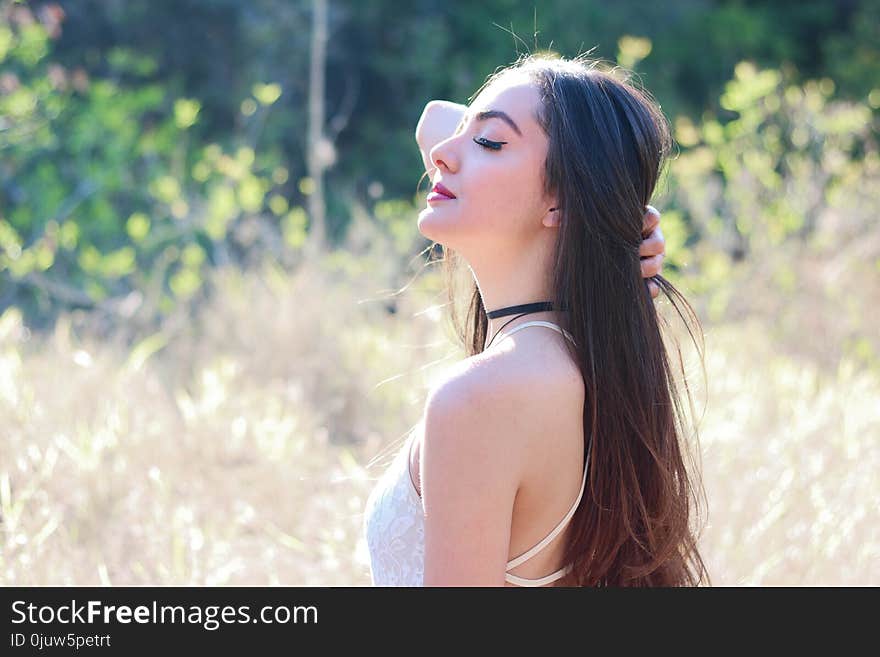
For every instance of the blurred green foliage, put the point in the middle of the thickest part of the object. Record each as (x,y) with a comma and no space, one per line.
(744,187)
(105,191)
(142,143)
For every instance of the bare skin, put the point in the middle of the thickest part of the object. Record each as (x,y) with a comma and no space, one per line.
(551,481)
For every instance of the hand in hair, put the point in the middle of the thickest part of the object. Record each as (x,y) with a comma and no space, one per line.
(652,249)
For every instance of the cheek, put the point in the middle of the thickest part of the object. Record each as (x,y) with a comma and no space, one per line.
(506,193)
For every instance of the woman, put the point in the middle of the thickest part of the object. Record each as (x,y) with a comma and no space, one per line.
(541,190)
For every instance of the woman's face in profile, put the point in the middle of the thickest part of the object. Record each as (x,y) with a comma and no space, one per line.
(493,166)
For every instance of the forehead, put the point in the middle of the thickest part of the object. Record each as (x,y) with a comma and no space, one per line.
(515,94)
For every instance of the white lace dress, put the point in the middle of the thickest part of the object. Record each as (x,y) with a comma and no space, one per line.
(394,526)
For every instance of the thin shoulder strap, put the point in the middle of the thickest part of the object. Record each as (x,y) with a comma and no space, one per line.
(525,556)
(538,322)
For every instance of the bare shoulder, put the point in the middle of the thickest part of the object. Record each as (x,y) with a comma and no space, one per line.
(518,364)
(486,426)
(504,401)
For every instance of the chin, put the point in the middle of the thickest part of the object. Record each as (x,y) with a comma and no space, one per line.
(434,226)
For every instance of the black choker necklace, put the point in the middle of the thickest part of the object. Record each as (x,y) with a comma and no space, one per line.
(523,309)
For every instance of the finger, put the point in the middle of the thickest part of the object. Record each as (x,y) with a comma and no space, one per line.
(654,289)
(650,220)
(652,266)
(653,244)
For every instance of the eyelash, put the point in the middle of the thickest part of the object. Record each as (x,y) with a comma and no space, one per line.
(481,141)
(485,143)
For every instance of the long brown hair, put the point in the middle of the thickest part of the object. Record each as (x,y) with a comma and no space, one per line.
(608,141)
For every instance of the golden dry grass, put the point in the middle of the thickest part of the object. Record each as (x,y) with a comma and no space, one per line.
(234,448)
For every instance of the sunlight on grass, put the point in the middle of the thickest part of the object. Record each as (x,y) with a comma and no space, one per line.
(790,457)
(240,448)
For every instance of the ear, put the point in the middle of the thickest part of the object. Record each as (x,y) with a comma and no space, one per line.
(552,214)
(551,217)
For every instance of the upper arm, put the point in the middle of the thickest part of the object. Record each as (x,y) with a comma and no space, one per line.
(471,468)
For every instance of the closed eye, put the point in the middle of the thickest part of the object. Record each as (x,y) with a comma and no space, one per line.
(485,143)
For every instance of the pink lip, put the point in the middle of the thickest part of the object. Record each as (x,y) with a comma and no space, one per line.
(439,192)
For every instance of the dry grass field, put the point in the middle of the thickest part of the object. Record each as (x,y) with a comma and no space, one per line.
(238,446)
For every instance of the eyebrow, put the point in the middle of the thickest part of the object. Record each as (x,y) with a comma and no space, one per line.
(498,114)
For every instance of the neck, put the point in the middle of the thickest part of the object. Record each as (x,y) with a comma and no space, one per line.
(514,283)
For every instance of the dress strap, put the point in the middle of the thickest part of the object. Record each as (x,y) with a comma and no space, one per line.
(538,322)
(541,581)
(525,556)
